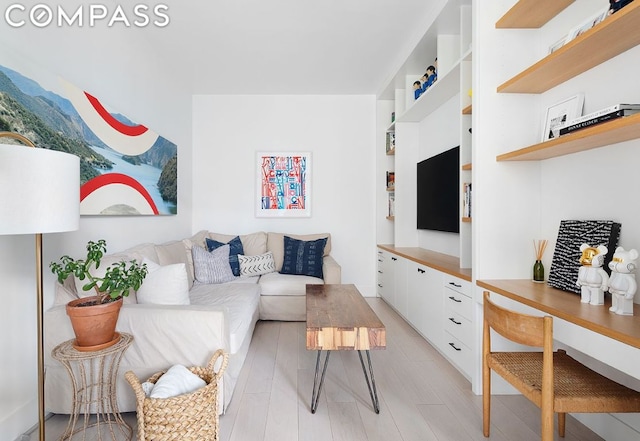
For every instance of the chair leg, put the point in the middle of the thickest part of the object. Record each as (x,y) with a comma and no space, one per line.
(547,423)
(486,399)
(562,417)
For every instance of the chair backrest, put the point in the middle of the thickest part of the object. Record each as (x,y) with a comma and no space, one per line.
(520,328)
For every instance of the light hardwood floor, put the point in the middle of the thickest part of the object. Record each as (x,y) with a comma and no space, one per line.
(422,397)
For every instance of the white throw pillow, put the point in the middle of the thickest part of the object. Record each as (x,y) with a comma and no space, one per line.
(212,267)
(176,381)
(256,265)
(164,285)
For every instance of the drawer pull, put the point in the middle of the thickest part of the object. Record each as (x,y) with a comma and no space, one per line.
(380,260)
(380,285)
(455,284)
(454,347)
(455,300)
(380,272)
(454,321)
(394,258)
(421,271)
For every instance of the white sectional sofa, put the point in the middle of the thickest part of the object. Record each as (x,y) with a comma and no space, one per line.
(218,315)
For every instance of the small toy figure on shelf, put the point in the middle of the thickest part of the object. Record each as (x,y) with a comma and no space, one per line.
(616,5)
(593,280)
(417,90)
(622,284)
(429,78)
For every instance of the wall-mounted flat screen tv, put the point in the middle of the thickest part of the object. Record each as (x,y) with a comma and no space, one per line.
(438,204)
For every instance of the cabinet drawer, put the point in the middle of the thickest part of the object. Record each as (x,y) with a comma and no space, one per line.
(458,285)
(458,303)
(459,327)
(459,354)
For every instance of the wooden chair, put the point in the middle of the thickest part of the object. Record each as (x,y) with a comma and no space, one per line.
(553,381)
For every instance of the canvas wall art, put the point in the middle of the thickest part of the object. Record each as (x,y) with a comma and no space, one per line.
(125,167)
(283,184)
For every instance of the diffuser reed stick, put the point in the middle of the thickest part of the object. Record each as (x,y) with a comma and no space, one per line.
(539,246)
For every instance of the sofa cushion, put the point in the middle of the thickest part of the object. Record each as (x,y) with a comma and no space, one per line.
(256,265)
(174,252)
(253,244)
(275,244)
(303,258)
(277,284)
(164,285)
(235,248)
(212,267)
(240,302)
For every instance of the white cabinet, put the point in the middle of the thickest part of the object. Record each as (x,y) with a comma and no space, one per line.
(400,285)
(385,276)
(458,323)
(425,302)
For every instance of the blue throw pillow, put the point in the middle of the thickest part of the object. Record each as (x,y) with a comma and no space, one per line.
(303,258)
(235,246)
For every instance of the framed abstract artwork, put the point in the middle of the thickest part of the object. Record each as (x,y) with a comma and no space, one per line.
(283,184)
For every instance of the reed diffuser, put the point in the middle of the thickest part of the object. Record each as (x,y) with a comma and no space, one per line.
(538,268)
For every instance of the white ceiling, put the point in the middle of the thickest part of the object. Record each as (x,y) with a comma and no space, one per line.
(289,46)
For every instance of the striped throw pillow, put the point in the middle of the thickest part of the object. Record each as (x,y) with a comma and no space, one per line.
(212,267)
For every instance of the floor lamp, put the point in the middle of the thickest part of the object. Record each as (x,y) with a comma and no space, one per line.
(39,193)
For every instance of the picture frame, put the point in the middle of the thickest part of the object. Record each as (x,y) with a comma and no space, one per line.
(558,44)
(283,184)
(587,24)
(559,113)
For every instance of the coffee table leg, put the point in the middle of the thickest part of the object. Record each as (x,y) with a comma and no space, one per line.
(371,385)
(316,392)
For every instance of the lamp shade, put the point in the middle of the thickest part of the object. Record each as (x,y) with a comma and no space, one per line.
(39,190)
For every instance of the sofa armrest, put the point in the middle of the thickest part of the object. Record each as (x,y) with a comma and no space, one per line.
(331,271)
(164,335)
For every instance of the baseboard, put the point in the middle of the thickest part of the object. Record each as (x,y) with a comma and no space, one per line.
(18,421)
(609,426)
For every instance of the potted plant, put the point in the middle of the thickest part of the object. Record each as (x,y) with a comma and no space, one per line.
(94,318)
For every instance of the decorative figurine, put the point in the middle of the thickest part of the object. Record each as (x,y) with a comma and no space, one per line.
(417,90)
(593,280)
(429,78)
(622,284)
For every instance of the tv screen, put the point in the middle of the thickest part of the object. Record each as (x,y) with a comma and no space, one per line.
(438,194)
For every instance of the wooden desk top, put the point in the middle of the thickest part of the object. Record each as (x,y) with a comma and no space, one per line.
(438,261)
(339,318)
(567,306)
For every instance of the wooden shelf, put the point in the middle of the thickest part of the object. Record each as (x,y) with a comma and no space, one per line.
(441,262)
(466,166)
(611,132)
(567,306)
(467,110)
(529,14)
(466,219)
(616,34)
(391,189)
(391,152)
(391,218)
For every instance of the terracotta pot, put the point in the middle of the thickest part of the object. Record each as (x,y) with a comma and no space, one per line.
(94,325)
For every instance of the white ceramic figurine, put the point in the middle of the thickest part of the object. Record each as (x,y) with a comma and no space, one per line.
(622,284)
(593,280)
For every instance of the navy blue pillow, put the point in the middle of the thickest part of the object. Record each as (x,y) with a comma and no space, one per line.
(235,248)
(303,258)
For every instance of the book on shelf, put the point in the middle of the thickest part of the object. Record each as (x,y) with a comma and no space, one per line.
(466,205)
(392,204)
(589,120)
(391,180)
(391,141)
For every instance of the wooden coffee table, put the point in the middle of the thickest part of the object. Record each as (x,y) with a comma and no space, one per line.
(339,319)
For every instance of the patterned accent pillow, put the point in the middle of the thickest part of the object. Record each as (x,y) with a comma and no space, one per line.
(212,267)
(236,248)
(256,265)
(303,258)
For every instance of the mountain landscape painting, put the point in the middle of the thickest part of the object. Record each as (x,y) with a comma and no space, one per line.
(125,168)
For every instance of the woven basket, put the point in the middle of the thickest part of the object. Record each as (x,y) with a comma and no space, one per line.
(188,417)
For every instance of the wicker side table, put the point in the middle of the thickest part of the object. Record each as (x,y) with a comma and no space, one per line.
(93,376)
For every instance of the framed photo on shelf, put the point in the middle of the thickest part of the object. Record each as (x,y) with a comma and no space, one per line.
(558,114)
(588,24)
(558,44)
(283,184)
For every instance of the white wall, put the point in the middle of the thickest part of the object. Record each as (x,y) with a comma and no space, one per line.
(339,131)
(121,70)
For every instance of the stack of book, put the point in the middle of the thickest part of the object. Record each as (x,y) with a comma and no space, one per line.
(466,203)
(603,115)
